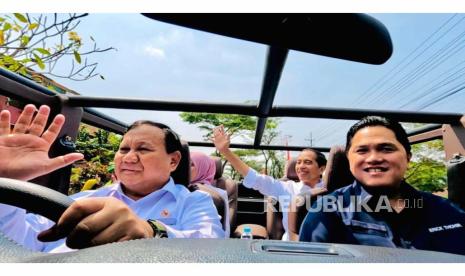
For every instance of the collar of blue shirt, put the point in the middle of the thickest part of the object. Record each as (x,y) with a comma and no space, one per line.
(170,187)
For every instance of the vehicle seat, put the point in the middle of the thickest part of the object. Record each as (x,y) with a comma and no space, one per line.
(274,219)
(337,175)
(218,201)
(456,180)
(230,186)
(274,215)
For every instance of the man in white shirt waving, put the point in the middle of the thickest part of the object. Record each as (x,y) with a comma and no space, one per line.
(309,167)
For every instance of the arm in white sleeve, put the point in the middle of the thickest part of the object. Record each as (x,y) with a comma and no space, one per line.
(21,227)
(265,184)
(199,220)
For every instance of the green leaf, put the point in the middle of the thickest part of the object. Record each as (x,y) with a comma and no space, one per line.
(14,67)
(24,40)
(21,17)
(33,26)
(2,19)
(42,51)
(25,60)
(23,71)
(77,56)
(6,27)
(39,62)
(9,59)
(2,38)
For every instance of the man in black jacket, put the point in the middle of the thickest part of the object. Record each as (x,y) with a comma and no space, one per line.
(380,208)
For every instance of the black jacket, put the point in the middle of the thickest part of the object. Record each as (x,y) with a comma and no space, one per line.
(351,215)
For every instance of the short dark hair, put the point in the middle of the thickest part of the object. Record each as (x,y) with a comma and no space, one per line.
(368,121)
(320,157)
(172,141)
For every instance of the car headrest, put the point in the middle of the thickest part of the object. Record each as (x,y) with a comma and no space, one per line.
(291,174)
(337,174)
(219,167)
(182,173)
(455,176)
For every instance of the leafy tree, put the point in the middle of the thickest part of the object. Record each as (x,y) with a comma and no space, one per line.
(274,160)
(427,170)
(38,43)
(234,124)
(98,147)
(250,157)
(244,126)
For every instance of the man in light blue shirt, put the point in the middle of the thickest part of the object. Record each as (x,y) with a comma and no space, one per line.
(309,167)
(182,213)
(147,155)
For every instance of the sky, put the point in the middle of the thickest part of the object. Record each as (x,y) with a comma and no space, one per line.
(159,61)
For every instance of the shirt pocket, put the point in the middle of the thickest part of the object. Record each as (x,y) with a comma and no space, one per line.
(369,228)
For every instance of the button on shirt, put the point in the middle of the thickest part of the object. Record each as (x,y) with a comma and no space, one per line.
(427,222)
(283,191)
(185,214)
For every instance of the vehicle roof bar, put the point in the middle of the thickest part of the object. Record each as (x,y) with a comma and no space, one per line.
(26,90)
(98,119)
(419,131)
(277,111)
(262,147)
(21,88)
(424,129)
(144,104)
(356,114)
(275,61)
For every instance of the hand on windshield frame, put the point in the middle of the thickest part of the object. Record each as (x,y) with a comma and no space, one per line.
(24,149)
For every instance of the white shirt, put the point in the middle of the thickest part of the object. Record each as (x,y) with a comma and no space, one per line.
(185,214)
(283,191)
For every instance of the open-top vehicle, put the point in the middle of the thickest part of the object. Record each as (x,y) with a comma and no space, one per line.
(353,37)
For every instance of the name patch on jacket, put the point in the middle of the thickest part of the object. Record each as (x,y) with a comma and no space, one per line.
(445,227)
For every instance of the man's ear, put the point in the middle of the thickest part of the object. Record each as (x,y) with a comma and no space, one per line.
(175,158)
(322,169)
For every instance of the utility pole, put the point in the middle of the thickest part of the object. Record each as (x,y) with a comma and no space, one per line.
(310,139)
(286,140)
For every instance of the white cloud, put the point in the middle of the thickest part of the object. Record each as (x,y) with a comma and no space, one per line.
(173,37)
(154,52)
